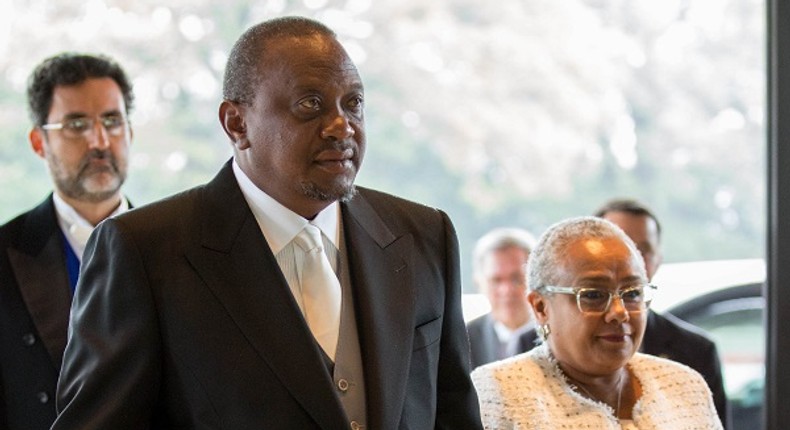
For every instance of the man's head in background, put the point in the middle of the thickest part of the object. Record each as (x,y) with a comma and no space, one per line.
(500,264)
(641,225)
(79,105)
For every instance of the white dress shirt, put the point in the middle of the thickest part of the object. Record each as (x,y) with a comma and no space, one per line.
(76,228)
(509,339)
(280,226)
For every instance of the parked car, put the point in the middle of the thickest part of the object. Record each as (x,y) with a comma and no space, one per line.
(734,319)
(725,299)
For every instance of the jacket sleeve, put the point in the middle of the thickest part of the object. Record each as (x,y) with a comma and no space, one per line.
(457,406)
(110,369)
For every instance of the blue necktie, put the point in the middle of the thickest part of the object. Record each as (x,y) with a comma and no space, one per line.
(72,263)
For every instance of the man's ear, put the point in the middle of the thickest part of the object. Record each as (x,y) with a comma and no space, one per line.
(231,116)
(36,138)
(540,306)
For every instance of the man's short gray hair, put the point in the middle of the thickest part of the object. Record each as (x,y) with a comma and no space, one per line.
(546,258)
(499,239)
(242,71)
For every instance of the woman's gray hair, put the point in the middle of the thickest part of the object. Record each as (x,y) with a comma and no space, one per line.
(546,257)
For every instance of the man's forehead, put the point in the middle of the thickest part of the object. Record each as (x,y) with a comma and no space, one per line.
(90,93)
(618,217)
(306,73)
(309,44)
(304,47)
(97,85)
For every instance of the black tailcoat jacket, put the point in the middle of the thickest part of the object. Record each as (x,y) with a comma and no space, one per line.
(34,312)
(670,337)
(183,319)
(484,342)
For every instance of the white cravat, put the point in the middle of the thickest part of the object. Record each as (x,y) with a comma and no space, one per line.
(320,289)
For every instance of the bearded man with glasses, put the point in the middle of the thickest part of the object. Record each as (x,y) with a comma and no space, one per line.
(589,292)
(79,105)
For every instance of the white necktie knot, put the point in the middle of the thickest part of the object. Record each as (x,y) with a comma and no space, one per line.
(309,239)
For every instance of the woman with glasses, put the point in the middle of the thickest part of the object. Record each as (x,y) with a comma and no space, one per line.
(589,292)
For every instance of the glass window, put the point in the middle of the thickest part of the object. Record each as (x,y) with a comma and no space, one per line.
(502,113)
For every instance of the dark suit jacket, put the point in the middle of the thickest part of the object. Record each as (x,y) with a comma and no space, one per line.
(669,337)
(484,343)
(34,312)
(189,322)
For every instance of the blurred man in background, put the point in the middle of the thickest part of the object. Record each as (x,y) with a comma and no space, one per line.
(499,265)
(667,336)
(79,106)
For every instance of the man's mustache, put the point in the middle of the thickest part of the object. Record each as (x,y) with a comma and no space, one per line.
(97,154)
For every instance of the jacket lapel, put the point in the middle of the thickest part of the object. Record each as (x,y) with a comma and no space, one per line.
(526,342)
(381,279)
(40,270)
(238,266)
(655,340)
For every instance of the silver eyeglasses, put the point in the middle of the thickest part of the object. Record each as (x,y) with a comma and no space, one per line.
(597,300)
(82,127)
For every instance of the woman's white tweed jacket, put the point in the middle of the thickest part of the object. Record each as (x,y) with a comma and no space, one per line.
(529,391)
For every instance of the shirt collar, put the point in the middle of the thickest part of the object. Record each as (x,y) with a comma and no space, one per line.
(76,228)
(278,223)
(505,334)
